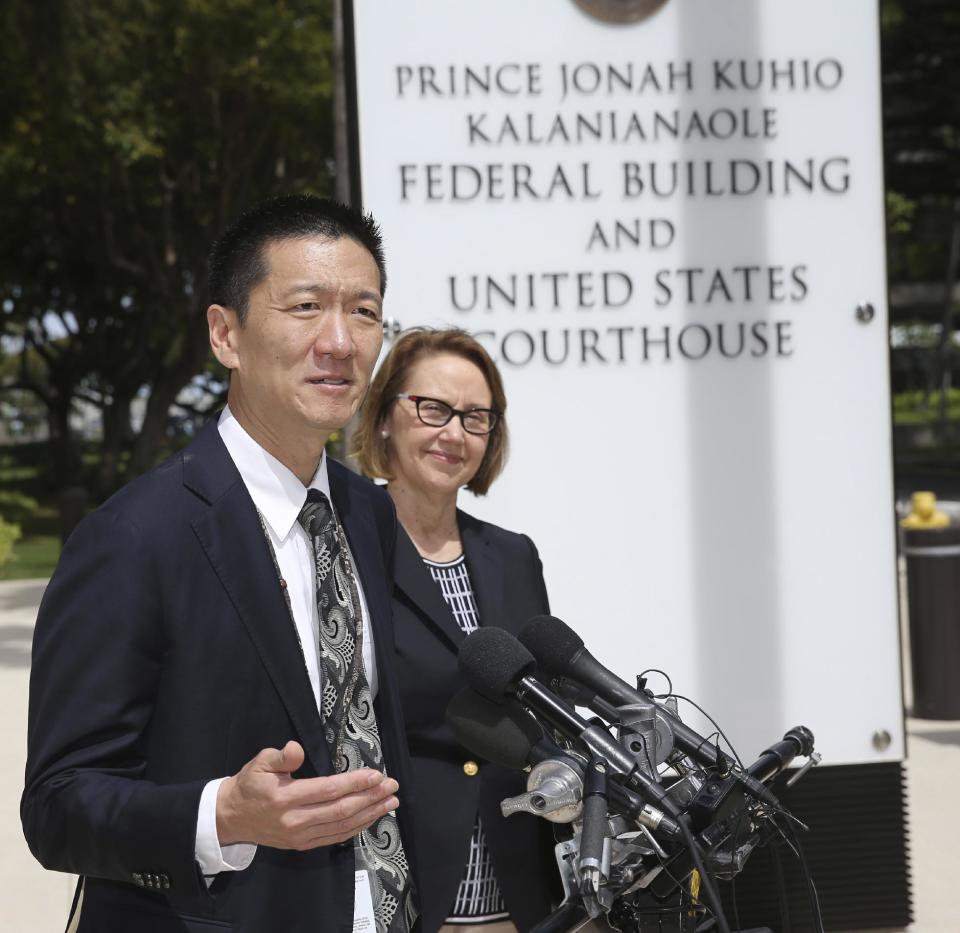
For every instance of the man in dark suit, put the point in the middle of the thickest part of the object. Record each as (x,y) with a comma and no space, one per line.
(183,757)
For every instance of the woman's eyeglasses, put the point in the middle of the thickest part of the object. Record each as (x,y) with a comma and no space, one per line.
(433,412)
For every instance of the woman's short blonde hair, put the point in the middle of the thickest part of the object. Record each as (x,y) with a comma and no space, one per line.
(368,445)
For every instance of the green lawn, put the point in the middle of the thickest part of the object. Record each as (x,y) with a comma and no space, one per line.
(913,408)
(33,556)
(28,500)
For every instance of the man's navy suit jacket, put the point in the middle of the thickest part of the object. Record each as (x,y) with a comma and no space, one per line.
(165,656)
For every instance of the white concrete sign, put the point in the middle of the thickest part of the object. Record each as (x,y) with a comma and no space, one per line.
(662,231)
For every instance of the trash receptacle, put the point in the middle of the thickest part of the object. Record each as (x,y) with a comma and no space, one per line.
(933,599)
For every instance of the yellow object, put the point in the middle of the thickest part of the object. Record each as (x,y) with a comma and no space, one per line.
(470,768)
(924,512)
(695,886)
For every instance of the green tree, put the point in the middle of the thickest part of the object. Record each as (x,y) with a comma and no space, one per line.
(921,118)
(132,131)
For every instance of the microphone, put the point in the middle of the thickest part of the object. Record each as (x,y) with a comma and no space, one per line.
(593,867)
(505,734)
(498,667)
(798,741)
(561,651)
(509,736)
(579,695)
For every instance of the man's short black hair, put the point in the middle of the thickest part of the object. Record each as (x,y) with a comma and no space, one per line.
(237,264)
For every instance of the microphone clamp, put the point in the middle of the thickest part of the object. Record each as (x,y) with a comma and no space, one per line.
(554,791)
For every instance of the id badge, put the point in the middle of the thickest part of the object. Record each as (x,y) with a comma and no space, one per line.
(363,919)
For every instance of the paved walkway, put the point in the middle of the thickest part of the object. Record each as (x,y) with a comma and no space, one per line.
(31,900)
(36,901)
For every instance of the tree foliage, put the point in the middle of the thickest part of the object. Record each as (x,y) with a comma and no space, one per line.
(133,131)
(921,118)
(921,126)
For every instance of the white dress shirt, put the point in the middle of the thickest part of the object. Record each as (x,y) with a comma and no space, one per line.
(279,496)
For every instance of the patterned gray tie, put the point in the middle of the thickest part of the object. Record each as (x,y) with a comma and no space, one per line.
(349,723)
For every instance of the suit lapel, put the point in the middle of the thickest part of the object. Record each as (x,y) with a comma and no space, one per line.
(485,564)
(414,580)
(235,544)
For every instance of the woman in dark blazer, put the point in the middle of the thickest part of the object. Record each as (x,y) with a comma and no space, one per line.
(432,424)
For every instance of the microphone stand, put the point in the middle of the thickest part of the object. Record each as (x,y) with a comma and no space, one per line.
(594,864)
(569,916)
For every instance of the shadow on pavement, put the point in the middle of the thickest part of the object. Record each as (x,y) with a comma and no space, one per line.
(943,737)
(15,645)
(24,596)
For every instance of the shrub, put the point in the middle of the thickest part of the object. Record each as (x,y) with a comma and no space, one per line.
(16,506)
(9,533)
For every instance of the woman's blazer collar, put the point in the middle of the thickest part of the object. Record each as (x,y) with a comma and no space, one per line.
(484,563)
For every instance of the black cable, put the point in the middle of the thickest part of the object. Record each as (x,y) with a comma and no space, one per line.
(714,905)
(811,887)
(708,740)
(781,889)
(713,722)
(684,765)
(663,674)
(733,878)
(706,881)
(793,843)
(781,811)
(680,887)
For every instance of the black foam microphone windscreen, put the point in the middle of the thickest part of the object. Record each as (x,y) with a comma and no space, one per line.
(552,642)
(492,661)
(501,733)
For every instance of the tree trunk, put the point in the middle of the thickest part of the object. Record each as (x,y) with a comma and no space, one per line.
(116,429)
(66,465)
(149,445)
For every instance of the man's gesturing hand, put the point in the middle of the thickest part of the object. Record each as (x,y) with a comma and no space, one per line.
(263,804)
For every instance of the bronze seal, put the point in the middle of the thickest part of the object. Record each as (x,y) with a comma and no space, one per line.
(620,11)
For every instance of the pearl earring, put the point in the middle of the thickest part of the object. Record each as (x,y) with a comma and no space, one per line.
(384,433)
